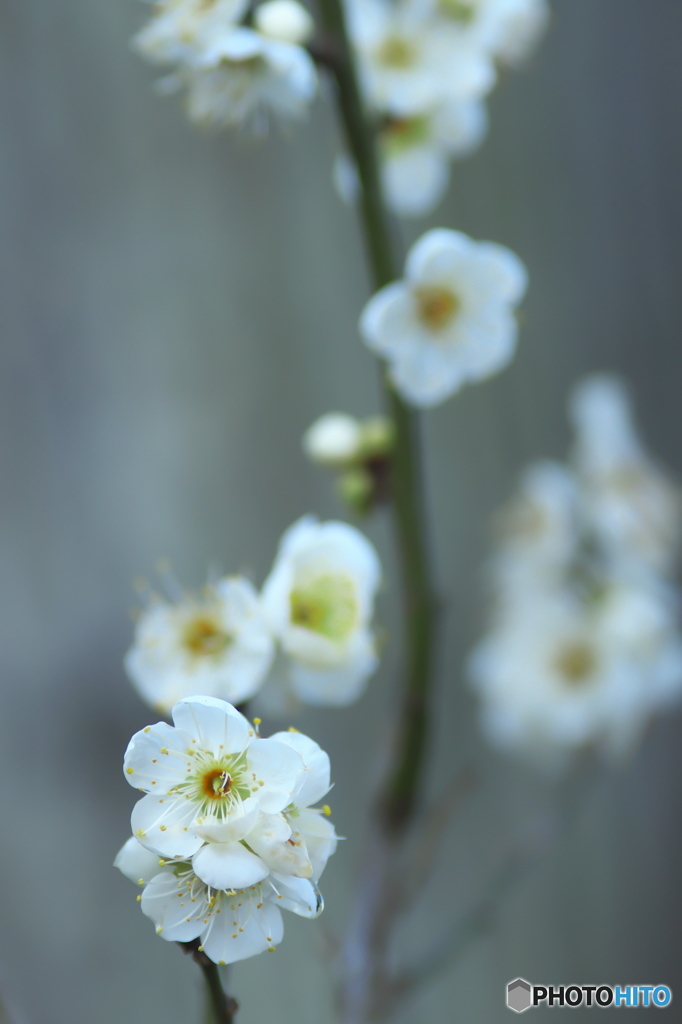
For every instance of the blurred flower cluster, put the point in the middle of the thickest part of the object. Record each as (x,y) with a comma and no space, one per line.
(225,835)
(307,634)
(584,643)
(426,67)
(235,69)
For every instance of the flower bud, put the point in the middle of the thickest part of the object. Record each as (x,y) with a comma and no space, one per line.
(377,438)
(334,439)
(284,20)
(356,487)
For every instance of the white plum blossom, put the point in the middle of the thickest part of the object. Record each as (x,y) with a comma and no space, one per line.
(319,600)
(233,75)
(333,440)
(415,154)
(451,320)
(286,20)
(216,643)
(508,30)
(230,815)
(584,644)
(245,78)
(409,62)
(562,673)
(630,503)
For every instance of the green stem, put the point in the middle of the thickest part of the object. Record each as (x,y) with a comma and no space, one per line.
(399,796)
(223,1007)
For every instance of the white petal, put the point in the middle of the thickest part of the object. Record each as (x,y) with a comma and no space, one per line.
(279,768)
(432,246)
(163,824)
(156,758)
(228,866)
(320,839)
(246,926)
(231,829)
(137,863)
(287,855)
(382,323)
(317,781)
(416,181)
(213,724)
(166,901)
(299,895)
(500,271)
(337,686)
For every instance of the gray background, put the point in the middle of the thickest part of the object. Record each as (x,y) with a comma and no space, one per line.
(176,308)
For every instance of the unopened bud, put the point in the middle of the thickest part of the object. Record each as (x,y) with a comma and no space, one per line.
(333,440)
(284,20)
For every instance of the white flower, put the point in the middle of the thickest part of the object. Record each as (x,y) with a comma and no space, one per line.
(407,60)
(552,679)
(230,815)
(231,924)
(179,27)
(286,20)
(630,504)
(415,154)
(207,780)
(506,29)
(538,532)
(244,78)
(216,644)
(450,321)
(333,440)
(319,599)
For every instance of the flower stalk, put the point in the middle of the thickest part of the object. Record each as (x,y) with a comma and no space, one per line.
(223,1007)
(401,787)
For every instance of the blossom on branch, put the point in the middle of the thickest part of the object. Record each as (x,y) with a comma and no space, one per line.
(216,643)
(451,321)
(319,600)
(230,816)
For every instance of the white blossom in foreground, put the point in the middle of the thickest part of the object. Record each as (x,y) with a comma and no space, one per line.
(630,503)
(216,643)
(233,75)
(451,321)
(415,155)
(319,600)
(236,805)
(231,817)
(408,62)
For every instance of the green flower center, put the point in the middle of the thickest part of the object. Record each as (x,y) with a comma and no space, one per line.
(327,605)
(402,134)
(204,636)
(459,10)
(397,52)
(576,663)
(436,307)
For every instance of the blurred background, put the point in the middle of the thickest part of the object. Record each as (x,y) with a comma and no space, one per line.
(176,308)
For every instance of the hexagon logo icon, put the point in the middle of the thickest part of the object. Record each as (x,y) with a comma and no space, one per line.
(518,995)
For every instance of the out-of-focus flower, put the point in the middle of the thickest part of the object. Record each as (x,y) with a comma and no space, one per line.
(217,644)
(506,29)
(415,154)
(244,78)
(230,815)
(584,645)
(319,601)
(629,502)
(408,62)
(333,440)
(451,320)
(286,20)
(233,75)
